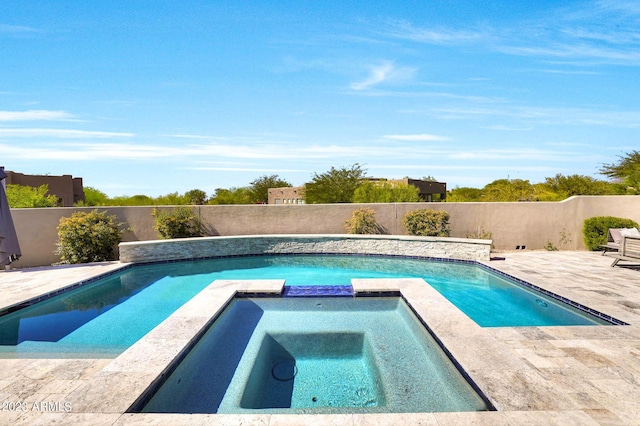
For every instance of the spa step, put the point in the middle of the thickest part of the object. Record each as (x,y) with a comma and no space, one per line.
(318,290)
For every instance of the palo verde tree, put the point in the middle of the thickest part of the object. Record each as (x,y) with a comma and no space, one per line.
(508,190)
(568,186)
(94,197)
(233,195)
(259,188)
(386,192)
(627,170)
(334,186)
(23,196)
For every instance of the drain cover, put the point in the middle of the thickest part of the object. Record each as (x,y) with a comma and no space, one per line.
(284,370)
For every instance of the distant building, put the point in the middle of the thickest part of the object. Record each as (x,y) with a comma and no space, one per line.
(286,195)
(426,189)
(67,189)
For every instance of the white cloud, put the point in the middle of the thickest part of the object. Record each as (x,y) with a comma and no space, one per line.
(384,72)
(465,167)
(17,29)
(83,152)
(34,115)
(508,128)
(442,36)
(577,51)
(526,154)
(130,151)
(246,169)
(378,74)
(418,137)
(61,133)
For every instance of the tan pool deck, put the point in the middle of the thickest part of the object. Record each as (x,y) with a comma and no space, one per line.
(586,375)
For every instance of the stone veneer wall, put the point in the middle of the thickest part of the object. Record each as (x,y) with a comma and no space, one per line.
(194,248)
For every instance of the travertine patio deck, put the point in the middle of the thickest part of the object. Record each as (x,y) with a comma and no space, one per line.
(533,375)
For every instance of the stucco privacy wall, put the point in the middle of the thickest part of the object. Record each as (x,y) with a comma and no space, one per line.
(511,224)
(189,248)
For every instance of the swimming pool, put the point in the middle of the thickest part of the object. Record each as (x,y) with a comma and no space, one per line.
(315,355)
(103,318)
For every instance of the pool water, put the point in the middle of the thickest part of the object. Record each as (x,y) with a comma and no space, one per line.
(315,355)
(311,370)
(104,318)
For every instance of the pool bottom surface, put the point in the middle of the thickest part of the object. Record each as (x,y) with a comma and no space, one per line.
(315,355)
(312,370)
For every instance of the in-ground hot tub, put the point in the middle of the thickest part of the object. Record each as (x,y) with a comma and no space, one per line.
(315,355)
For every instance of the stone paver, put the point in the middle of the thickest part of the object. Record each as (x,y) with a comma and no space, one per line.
(533,375)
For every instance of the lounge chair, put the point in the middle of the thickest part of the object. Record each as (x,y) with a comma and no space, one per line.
(614,238)
(629,250)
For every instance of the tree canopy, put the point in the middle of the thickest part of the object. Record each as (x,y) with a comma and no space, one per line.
(334,186)
(259,188)
(349,184)
(22,196)
(568,186)
(555,188)
(386,192)
(233,195)
(627,170)
(196,196)
(94,197)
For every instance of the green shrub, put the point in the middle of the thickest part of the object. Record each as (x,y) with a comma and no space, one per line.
(180,222)
(363,221)
(595,229)
(427,222)
(88,237)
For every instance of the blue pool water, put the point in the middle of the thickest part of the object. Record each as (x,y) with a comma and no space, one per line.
(315,355)
(111,314)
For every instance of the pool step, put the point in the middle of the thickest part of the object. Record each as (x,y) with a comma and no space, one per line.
(318,290)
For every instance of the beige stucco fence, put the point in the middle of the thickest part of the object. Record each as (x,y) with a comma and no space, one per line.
(529,224)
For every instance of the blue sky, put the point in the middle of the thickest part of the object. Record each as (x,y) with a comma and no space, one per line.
(153,97)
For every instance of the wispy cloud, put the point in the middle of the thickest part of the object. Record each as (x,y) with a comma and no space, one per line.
(377,75)
(407,31)
(445,167)
(60,133)
(504,128)
(17,29)
(424,137)
(601,32)
(526,154)
(384,72)
(135,151)
(524,117)
(35,115)
(246,169)
(577,51)
(568,72)
(87,152)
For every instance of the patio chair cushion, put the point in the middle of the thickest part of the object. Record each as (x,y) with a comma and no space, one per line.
(629,232)
(615,234)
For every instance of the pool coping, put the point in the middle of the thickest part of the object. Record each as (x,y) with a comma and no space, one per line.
(574,375)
